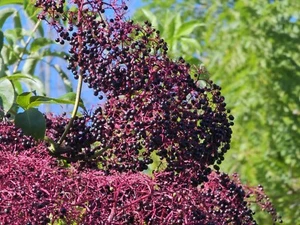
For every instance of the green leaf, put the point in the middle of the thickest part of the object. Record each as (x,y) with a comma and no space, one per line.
(190,43)
(35,101)
(23,99)
(7,2)
(1,40)
(17,20)
(2,67)
(32,12)
(31,82)
(187,28)
(49,52)
(32,122)
(19,76)
(7,94)
(5,13)
(65,78)
(9,56)
(18,86)
(151,17)
(39,43)
(169,26)
(30,63)
(71,96)
(16,34)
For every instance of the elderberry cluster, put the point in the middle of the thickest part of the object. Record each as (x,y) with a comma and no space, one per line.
(155,105)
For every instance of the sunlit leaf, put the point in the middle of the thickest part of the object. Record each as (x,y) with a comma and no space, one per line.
(30,64)
(30,81)
(151,17)
(17,20)
(71,96)
(39,43)
(187,28)
(5,13)
(23,99)
(16,34)
(7,2)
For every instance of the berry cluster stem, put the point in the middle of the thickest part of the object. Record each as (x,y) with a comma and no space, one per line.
(75,109)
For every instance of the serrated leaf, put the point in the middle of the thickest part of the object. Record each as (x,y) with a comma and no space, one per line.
(5,13)
(7,94)
(187,28)
(23,99)
(32,122)
(39,43)
(1,40)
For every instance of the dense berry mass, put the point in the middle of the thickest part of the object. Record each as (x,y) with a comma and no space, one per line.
(155,105)
(157,113)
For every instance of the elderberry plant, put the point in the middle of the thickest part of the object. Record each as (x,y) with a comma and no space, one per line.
(158,112)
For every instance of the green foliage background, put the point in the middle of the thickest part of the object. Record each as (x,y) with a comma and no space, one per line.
(250,48)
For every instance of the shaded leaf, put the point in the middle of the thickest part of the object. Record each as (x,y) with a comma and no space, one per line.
(32,122)
(1,40)
(2,67)
(7,94)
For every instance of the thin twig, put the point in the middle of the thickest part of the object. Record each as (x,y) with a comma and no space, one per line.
(26,44)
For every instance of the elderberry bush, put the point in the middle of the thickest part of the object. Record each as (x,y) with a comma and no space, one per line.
(158,112)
